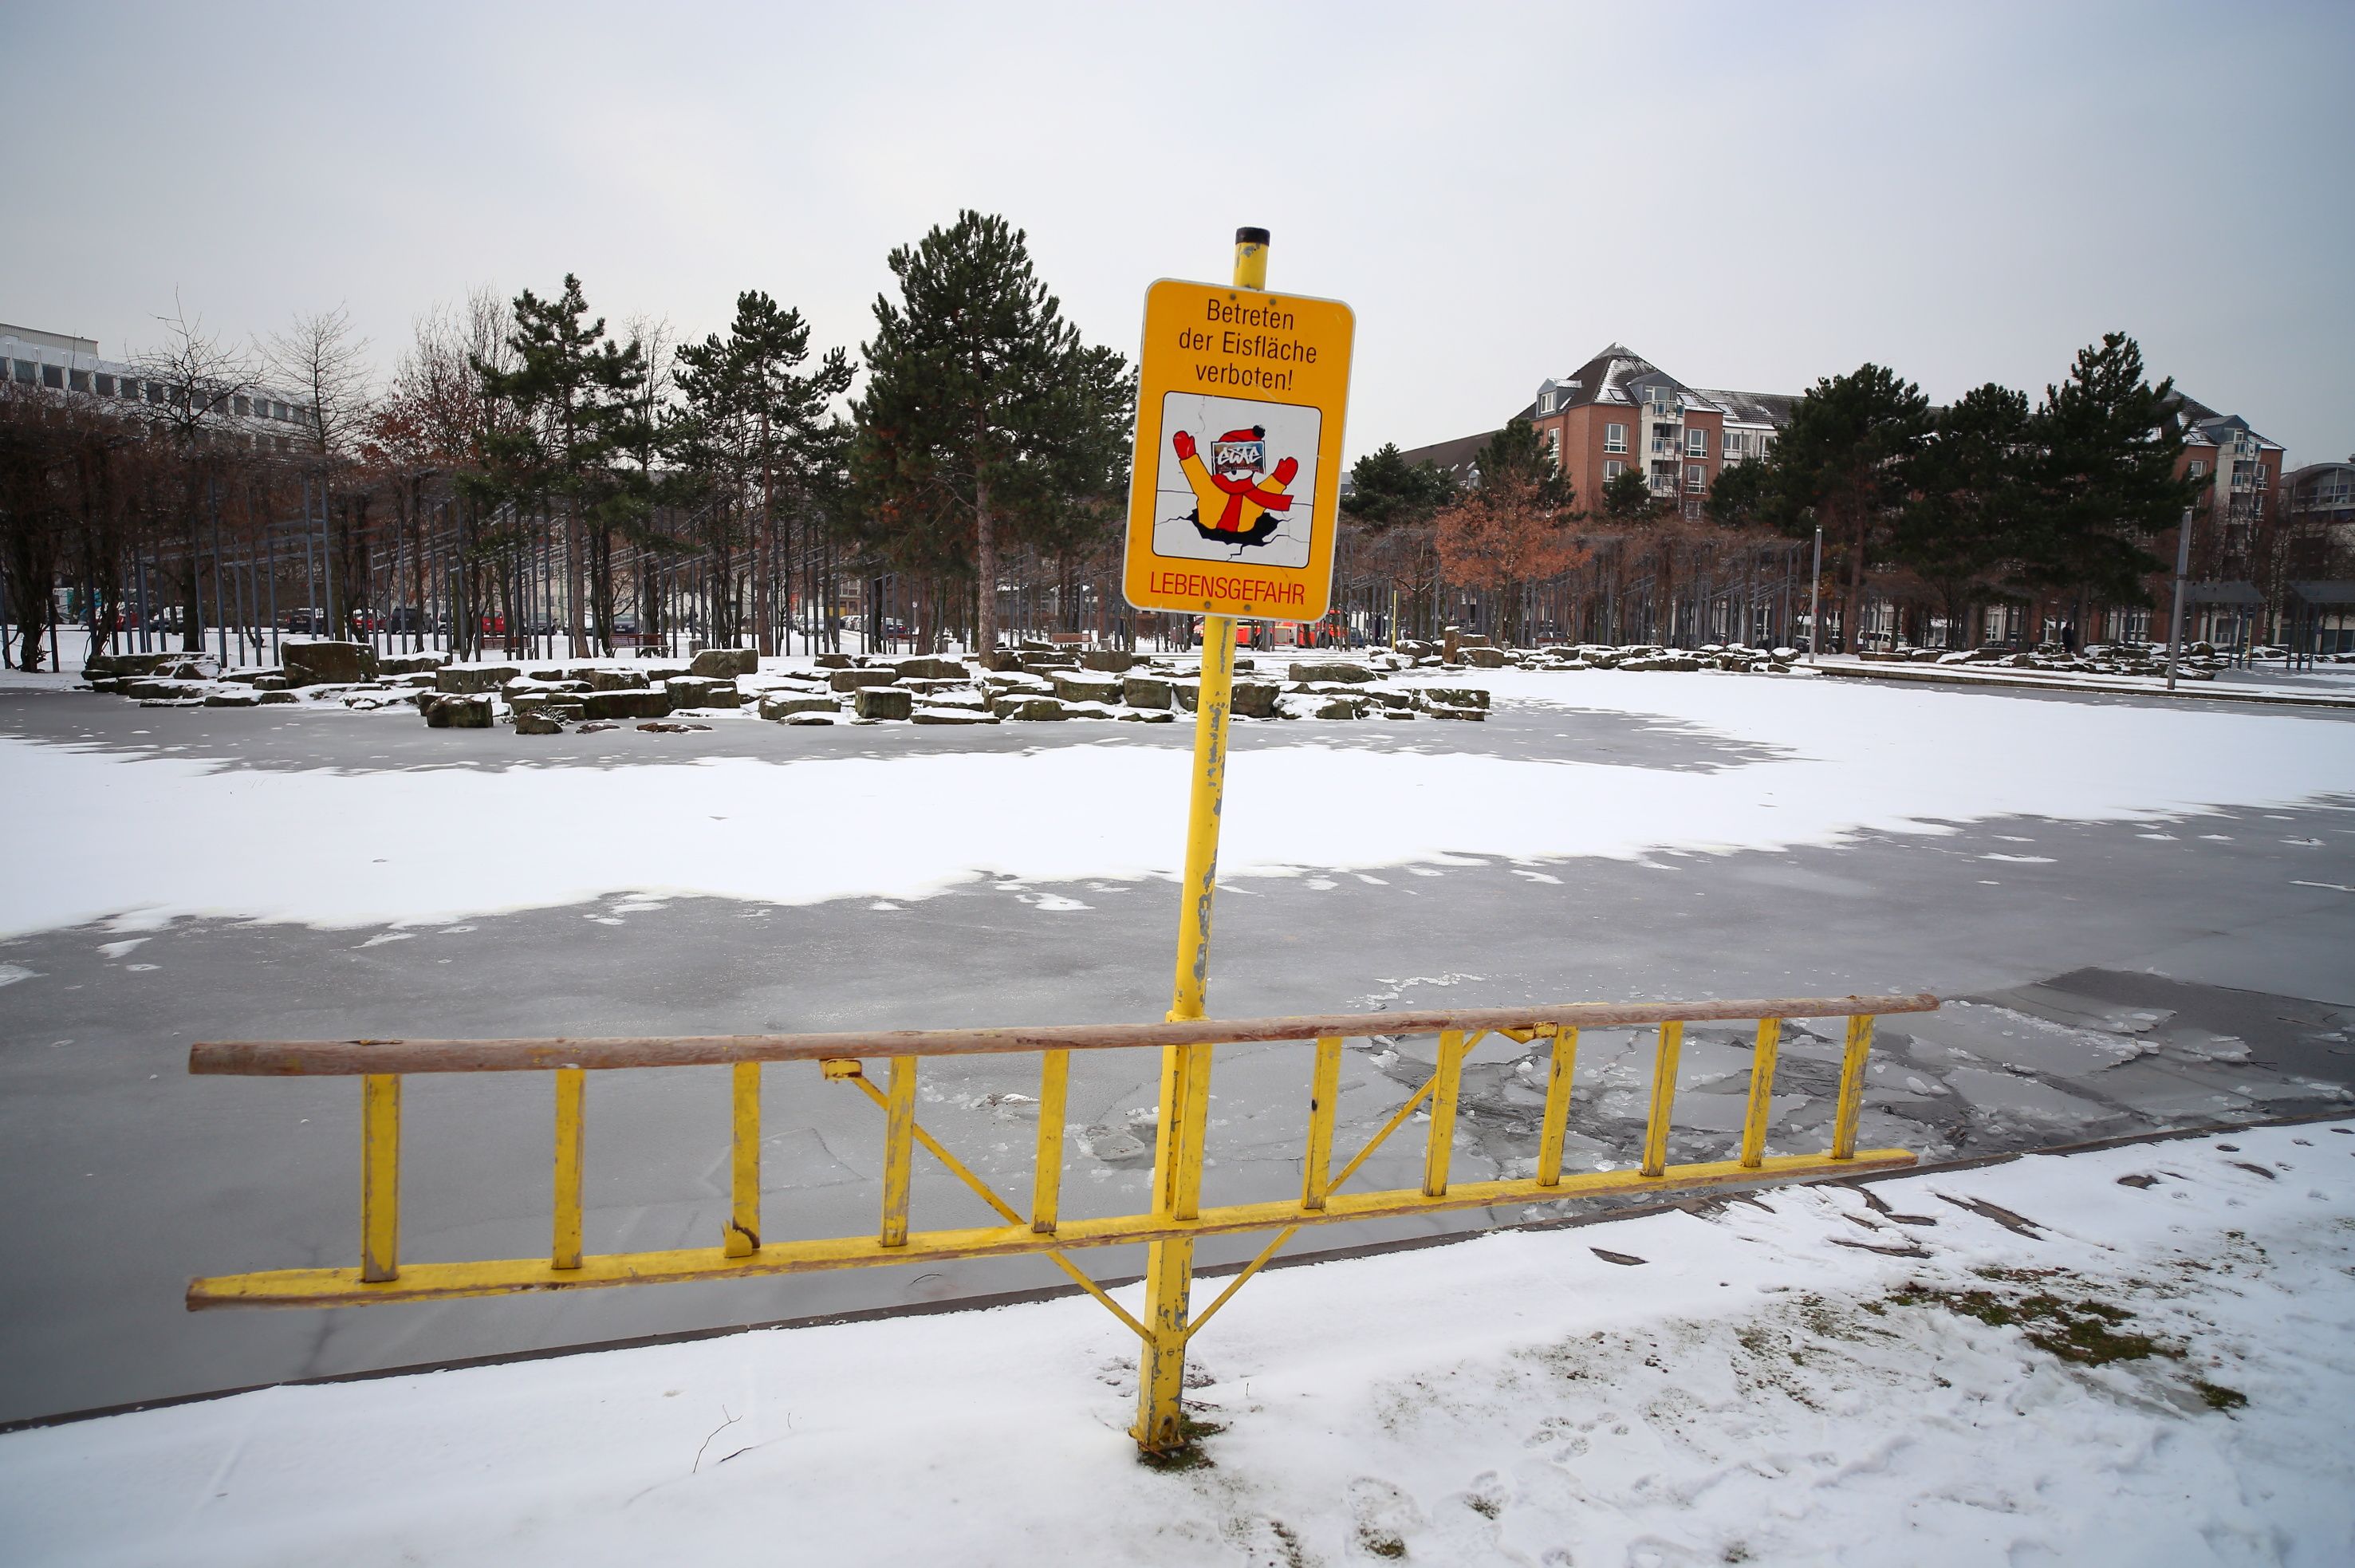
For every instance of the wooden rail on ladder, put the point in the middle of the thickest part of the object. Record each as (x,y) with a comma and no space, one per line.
(741,1251)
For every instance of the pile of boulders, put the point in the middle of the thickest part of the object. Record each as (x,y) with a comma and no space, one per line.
(320,670)
(1468,651)
(2200,661)
(1031,683)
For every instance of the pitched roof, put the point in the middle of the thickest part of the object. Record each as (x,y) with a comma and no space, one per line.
(1454,458)
(2203,426)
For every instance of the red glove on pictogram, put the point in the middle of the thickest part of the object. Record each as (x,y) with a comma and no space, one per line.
(1184,443)
(1286,469)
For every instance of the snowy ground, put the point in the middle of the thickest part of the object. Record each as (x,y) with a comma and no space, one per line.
(2140,1355)
(140,837)
(2146,908)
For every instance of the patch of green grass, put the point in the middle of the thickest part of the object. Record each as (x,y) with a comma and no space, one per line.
(2216,1396)
(2087,1332)
(1188,1453)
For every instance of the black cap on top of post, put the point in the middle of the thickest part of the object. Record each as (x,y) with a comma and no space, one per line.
(1251,236)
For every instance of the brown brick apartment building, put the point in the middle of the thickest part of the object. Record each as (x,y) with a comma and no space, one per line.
(1619,412)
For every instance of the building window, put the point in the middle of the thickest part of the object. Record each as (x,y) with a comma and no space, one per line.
(1545,402)
(54,376)
(156,393)
(78,381)
(105,384)
(1553,445)
(27,371)
(1696,443)
(1612,470)
(1614,438)
(2198,467)
(243,404)
(1696,478)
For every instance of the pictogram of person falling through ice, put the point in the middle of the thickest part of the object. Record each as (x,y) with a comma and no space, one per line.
(1233,503)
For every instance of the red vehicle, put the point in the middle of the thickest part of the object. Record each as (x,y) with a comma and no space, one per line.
(1283,635)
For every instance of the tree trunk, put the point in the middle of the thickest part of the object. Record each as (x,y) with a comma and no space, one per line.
(984,562)
(574,628)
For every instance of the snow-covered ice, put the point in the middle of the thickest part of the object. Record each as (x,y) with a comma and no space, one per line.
(2139,1355)
(143,838)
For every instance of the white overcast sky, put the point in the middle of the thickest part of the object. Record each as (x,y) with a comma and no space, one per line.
(1752,196)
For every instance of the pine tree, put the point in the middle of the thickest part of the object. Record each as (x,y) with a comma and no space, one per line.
(1627,499)
(2104,481)
(755,426)
(1970,495)
(1842,464)
(983,415)
(1386,490)
(572,394)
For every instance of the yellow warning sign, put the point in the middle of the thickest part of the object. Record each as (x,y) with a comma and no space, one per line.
(1236,486)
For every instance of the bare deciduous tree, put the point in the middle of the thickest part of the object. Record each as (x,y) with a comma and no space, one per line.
(320,358)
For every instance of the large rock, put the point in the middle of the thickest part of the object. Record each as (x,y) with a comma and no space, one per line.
(785,704)
(232,699)
(952,716)
(695,691)
(458,712)
(1029,707)
(409,664)
(148,690)
(537,723)
(567,703)
(1145,691)
(834,661)
(1256,698)
(612,679)
(852,680)
(1115,660)
(726,664)
(1342,708)
(930,669)
(1455,696)
(646,704)
(998,660)
(883,701)
(971,699)
(1073,687)
(1335,671)
(1442,711)
(1483,658)
(459,679)
(326,664)
(103,666)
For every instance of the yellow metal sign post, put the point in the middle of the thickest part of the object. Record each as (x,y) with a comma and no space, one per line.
(1232,504)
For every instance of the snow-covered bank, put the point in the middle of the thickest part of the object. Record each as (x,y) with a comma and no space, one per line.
(2044,1361)
(107,835)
